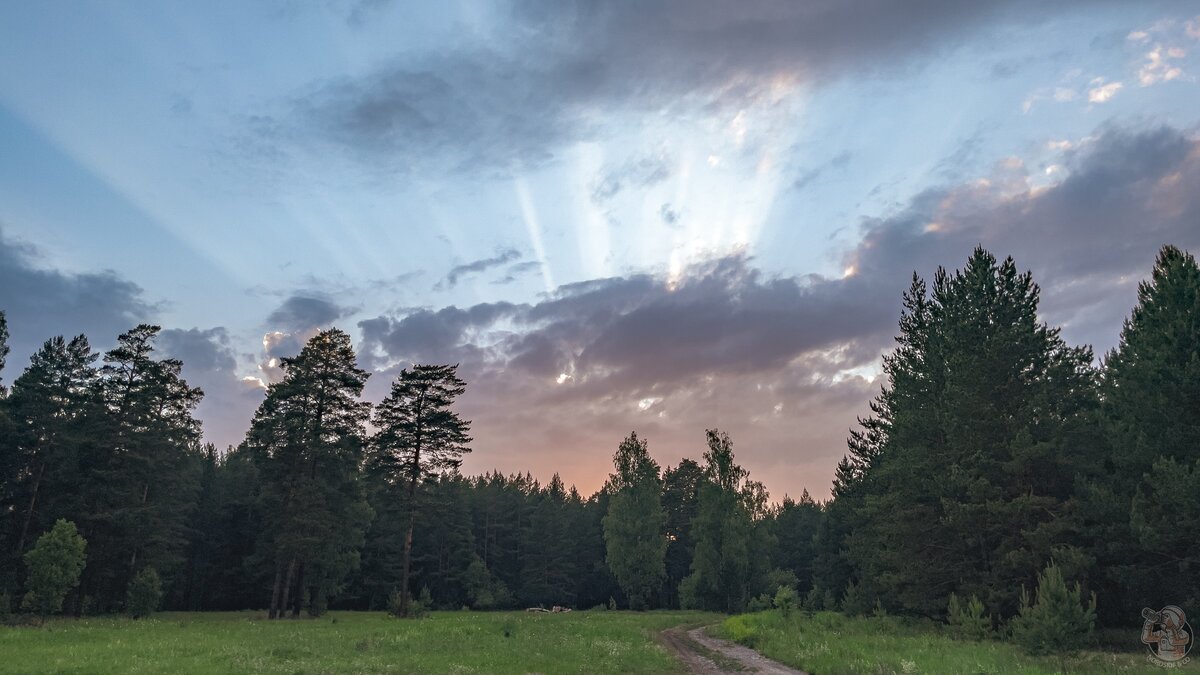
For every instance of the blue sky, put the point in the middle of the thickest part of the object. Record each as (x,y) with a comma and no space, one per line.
(656,216)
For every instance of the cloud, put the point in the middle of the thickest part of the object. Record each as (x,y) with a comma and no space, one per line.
(838,162)
(786,363)
(539,81)
(457,272)
(290,325)
(645,171)
(41,302)
(210,363)
(1088,238)
(1102,91)
(299,313)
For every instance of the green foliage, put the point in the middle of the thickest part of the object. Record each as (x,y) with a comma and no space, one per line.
(834,643)
(786,600)
(855,601)
(962,477)
(728,566)
(144,595)
(759,603)
(814,600)
(54,563)
(1060,621)
(307,442)
(633,528)
(418,437)
(969,622)
(395,604)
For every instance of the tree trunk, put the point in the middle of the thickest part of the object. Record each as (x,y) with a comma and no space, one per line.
(287,586)
(37,483)
(273,612)
(299,593)
(408,547)
(134,555)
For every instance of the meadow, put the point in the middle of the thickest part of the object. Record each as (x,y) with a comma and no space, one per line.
(358,642)
(828,643)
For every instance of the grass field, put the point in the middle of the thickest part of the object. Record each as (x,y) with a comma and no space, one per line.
(443,642)
(832,644)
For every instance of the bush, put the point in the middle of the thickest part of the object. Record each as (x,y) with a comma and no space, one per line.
(855,601)
(970,622)
(394,604)
(1059,622)
(55,563)
(144,594)
(759,603)
(814,601)
(786,600)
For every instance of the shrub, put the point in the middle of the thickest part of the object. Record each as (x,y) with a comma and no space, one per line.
(759,603)
(1059,621)
(814,601)
(855,601)
(786,600)
(144,594)
(55,563)
(970,622)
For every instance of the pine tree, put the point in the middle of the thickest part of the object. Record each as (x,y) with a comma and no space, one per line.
(1151,394)
(47,404)
(307,437)
(143,445)
(1059,621)
(961,478)
(633,529)
(419,436)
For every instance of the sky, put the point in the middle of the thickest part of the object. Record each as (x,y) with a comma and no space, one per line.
(652,216)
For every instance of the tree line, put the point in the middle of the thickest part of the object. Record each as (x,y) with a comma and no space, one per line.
(995,456)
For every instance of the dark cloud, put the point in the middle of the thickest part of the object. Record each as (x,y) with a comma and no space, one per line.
(41,303)
(838,162)
(786,364)
(643,172)
(300,313)
(502,257)
(514,104)
(1088,239)
(210,363)
(517,271)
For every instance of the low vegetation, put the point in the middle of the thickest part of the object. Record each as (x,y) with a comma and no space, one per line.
(359,642)
(828,643)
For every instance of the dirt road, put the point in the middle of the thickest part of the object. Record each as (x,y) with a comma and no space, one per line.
(706,655)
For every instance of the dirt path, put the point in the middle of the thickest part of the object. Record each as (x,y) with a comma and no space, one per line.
(706,655)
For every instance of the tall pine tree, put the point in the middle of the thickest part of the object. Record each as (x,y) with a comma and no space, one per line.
(307,437)
(418,436)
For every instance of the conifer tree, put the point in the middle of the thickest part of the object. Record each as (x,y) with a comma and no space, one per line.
(1140,513)
(418,436)
(960,479)
(307,437)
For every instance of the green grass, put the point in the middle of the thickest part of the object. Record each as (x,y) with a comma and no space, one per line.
(358,642)
(833,644)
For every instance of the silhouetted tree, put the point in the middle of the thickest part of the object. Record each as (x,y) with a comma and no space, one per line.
(633,528)
(307,438)
(419,436)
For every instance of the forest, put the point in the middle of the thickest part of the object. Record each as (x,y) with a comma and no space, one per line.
(994,454)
